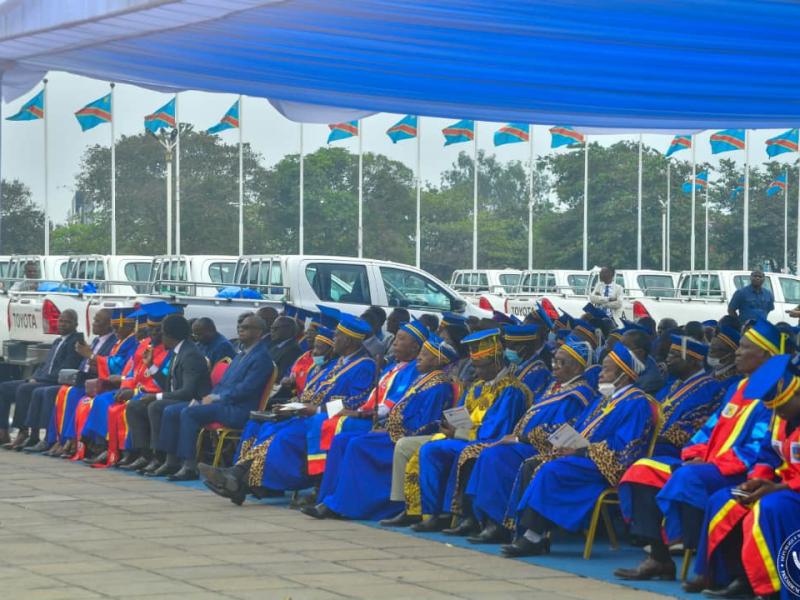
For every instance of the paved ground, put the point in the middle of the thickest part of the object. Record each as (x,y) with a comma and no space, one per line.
(67,531)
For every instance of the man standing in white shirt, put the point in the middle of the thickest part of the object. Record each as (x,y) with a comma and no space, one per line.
(608,295)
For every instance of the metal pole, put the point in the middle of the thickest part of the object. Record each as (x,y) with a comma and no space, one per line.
(530,197)
(302,207)
(475,197)
(419,192)
(669,207)
(694,195)
(46,174)
(639,212)
(746,225)
(797,224)
(360,191)
(177,181)
(241,178)
(706,234)
(585,203)
(663,240)
(169,201)
(786,223)
(113,178)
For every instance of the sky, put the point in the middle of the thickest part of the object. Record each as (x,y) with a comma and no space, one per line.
(269,133)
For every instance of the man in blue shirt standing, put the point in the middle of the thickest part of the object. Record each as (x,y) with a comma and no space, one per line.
(753,301)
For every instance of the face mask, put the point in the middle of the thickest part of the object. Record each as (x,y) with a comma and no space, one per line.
(319,360)
(713,362)
(512,356)
(605,389)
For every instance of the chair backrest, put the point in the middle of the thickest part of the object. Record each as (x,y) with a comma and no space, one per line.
(268,388)
(658,421)
(218,370)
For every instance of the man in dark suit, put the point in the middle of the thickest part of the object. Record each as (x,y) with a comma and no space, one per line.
(229,403)
(283,347)
(187,379)
(62,355)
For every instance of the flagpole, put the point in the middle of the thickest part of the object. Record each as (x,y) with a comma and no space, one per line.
(786,222)
(746,225)
(177,181)
(475,196)
(666,237)
(360,191)
(113,178)
(639,212)
(706,234)
(301,231)
(694,196)
(46,174)
(585,203)
(419,191)
(241,177)
(530,197)
(663,240)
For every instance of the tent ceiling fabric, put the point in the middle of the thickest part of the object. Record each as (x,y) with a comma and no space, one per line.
(615,64)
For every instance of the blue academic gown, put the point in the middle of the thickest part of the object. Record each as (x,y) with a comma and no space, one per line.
(495,470)
(619,428)
(238,392)
(438,459)
(358,474)
(96,426)
(284,464)
(534,374)
(217,349)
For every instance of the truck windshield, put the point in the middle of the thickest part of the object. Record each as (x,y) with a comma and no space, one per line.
(658,286)
(336,282)
(578,283)
(791,290)
(509,281)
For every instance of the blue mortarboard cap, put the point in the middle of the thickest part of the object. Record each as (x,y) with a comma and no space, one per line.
(729,336)
(438,347)
(774,382)
(156,311)
(563,334)
(579,350)
(122,314)
(766,336)
(565,320)
(595,312)
(452,318)
(329,316)
(710,323)
(483,334)
(542,313)
(581,326)
(483,343)
(325,334)
(626,361)
(501,317)
(520,333)
(688,346)
(417,330)
(354,327)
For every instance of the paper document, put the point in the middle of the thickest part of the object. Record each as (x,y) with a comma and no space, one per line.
(458,417)
(334,407)
(292,406)
(566,437)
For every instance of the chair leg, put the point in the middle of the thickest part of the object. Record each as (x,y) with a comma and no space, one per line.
(612,535)
(199,445)
(688,554)
(590,535)
(218,450)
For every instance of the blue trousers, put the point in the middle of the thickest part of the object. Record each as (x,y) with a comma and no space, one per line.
(181,423)
(41,407)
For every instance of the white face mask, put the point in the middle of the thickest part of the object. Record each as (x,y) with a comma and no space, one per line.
(713,362)
(607,389)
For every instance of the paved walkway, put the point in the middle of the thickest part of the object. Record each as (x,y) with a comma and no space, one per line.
(67,531)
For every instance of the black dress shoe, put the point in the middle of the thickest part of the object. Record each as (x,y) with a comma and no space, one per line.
(128,458)
(431,524)
(468,526)
(738,588)
(401,520)
(648,569)
(237,497)
(139,463)
(522,546)
(696,585)
(320,511)
(163,470)
(40,446)
(100,458)
(491,534)
(184,474)
(152,466)
(227,479)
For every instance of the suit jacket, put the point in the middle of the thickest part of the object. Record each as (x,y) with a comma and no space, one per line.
(219,348)
(60,356)
(188,377)
(246,377)
(100,350)
(284,356)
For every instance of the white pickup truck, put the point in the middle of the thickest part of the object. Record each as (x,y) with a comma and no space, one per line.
(570,290)
(349,284)
(114,281)
(704,295)
(492,284)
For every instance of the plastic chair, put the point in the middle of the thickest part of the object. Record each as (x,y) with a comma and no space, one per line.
(229,434)
(688,556)
(610,496)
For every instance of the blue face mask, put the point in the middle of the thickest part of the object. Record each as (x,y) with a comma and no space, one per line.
(512,356)
(319,360)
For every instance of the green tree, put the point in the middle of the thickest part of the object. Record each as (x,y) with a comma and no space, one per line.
(21,221)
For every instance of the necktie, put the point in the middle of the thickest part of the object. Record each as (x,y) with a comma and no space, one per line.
(51,359)
(607,291)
